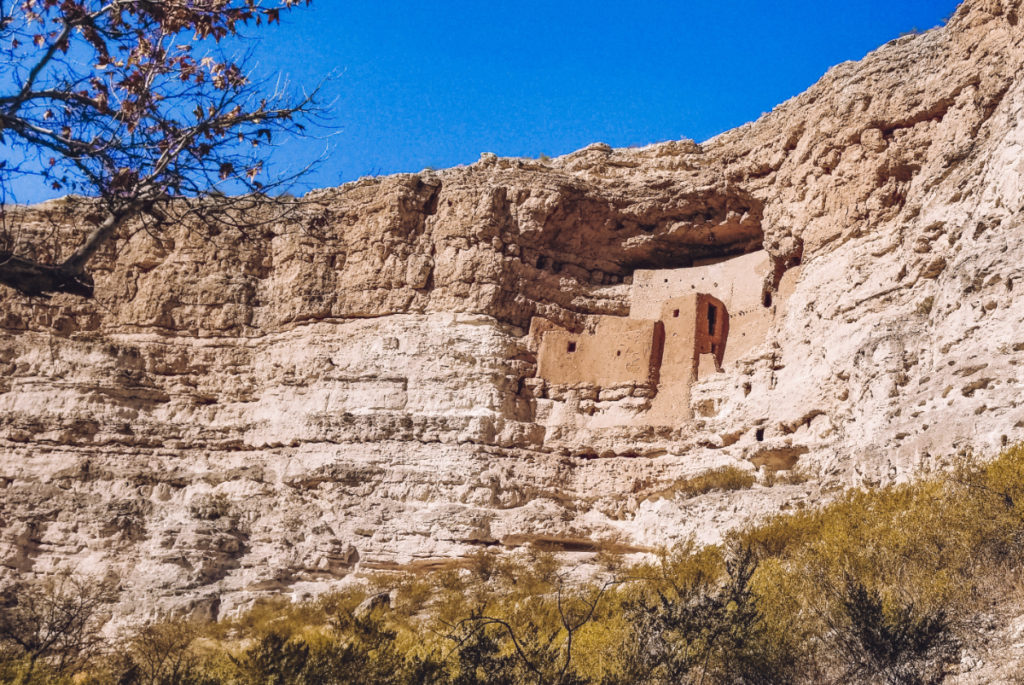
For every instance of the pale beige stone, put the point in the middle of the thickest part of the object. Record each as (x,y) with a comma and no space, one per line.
(356,387)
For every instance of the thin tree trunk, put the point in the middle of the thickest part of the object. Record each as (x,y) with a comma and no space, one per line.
(38,280)
(102,233)
(34,279)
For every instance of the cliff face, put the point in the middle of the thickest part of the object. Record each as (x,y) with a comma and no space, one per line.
(356,386)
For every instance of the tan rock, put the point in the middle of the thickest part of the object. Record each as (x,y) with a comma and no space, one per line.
(358,387)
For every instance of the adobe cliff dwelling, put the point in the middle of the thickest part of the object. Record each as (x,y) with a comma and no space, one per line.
(683,325)
(358,387)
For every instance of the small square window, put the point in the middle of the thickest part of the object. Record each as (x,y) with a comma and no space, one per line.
(618,353)
(675,314)
(571,347)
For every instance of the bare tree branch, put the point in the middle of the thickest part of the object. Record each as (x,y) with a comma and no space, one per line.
(135,104)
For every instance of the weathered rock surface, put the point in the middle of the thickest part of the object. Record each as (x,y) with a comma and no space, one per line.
(354,387)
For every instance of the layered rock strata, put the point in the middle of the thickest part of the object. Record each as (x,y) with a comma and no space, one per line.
(354,385)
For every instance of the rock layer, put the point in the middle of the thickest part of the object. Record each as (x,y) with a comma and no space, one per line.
(354,386)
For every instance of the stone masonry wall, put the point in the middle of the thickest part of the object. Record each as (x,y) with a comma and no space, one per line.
(352,387)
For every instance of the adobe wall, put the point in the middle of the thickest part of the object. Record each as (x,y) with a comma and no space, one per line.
(619,351)
(749,328)
(684,324)
(678,316)
(712,330)
(737,282)
(693,346)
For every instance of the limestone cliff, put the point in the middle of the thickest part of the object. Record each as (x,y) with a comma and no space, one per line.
(357,387)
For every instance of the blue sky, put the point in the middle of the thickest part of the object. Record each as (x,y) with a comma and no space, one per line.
(435,84)
(420,85)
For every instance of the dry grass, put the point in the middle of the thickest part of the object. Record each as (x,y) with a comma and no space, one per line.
(799,592)
(724,479)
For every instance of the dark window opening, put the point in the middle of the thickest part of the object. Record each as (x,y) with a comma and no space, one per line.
(767,299)
(675,314)
(571,347)
(618,353)
(759,434)
(712,318)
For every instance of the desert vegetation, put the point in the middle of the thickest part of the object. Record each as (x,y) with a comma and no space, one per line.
(879,586)
(722,479)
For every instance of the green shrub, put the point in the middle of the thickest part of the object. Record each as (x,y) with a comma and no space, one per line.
(896,643)
(50,629)
(162,654)
(707,628)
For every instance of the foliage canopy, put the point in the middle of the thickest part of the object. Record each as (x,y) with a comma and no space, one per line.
(137,104)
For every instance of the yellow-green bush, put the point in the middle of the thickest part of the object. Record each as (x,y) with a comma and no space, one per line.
(872,585)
